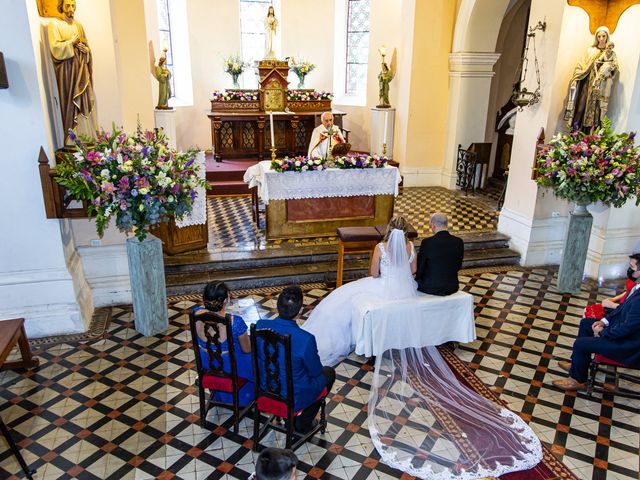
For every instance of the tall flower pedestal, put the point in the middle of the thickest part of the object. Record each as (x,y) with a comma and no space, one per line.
(148,289)
(574,253)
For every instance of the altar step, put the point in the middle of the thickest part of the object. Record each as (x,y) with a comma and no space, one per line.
(226,177)
(187,274)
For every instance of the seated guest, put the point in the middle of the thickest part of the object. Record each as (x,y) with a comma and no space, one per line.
(324,137)
(616,336)
(439,259)
(216,297)
(599,310)
(275,464)
(309,376)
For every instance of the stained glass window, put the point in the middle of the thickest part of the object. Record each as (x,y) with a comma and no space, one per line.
(252,36)
(357,46)
(164,31)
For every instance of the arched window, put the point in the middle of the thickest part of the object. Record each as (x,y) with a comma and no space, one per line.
(351,51)
(252,35)
(173,34)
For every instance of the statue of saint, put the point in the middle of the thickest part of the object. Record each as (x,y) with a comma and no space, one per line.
(74,71)
(270,25)
(590,85)
(384,78)
(163,75)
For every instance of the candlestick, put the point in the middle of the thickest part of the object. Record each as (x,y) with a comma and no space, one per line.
(273,153)
(384,134)
(273,143)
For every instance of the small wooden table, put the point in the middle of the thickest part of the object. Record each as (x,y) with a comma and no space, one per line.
(12,332)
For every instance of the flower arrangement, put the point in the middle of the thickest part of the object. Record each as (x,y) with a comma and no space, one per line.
(586,168)
(136,178)
(360,161)
(298,164)
(301,69)
(234,66)
(236,95)
(309,95)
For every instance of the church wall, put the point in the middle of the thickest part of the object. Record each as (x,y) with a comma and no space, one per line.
(428,89)
(538,227)
(34,280)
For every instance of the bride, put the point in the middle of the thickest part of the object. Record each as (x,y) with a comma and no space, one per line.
(422,420)
(392,267)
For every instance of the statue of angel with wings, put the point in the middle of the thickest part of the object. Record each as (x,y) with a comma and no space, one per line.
(385,76)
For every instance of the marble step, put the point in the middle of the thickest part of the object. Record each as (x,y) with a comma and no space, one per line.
(238,260)
(185,282)
(228,187)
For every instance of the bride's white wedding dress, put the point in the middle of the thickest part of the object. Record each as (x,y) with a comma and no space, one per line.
(330,321)
(422,419)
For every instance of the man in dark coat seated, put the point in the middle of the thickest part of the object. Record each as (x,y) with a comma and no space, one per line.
(439,259)
(617,336)
(309,376)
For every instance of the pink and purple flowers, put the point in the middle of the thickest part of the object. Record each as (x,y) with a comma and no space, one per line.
(360,161)
(136,178)
(236,96)
(585,168)
(298,164)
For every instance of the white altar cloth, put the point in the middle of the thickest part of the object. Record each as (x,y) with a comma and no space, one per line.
(332,182)
(378,325)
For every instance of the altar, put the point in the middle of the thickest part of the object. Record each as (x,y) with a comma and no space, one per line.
(316,203)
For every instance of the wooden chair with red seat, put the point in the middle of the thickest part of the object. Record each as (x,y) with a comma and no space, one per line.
(611,368)
(212,376)
(271,396)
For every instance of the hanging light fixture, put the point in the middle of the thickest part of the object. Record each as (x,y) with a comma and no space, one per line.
(521,96)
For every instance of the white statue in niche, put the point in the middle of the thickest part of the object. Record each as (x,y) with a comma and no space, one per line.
(270,25)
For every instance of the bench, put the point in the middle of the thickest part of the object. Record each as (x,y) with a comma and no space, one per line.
(361,240)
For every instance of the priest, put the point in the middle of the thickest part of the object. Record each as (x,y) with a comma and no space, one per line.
(324,137)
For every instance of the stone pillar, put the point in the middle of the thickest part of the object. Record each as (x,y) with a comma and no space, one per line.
(148,289)
(575,251)
(470,77)
(166,119)
(378,134)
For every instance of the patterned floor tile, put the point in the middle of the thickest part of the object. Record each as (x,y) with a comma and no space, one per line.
(126,407)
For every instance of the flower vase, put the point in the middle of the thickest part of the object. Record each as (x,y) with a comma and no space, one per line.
(574,253)
(235,77)
(301,80)
(148,288)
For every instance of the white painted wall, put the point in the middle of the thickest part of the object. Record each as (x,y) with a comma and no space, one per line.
(34,280)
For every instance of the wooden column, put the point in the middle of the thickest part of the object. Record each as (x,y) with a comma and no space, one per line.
(260,145)
(216,126)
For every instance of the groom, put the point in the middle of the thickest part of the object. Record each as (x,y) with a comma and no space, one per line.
(309,376)
(617,336)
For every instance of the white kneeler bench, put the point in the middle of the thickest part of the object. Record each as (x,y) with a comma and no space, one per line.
(424,320)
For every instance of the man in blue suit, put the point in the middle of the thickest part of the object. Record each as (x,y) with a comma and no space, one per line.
(309,376)
(617,336)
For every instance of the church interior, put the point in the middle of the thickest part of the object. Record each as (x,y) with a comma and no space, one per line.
(449,103)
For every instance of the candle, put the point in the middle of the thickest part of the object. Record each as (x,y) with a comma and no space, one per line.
(271,122)
(386,124)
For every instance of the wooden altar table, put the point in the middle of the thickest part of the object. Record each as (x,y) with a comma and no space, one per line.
(312,204)
(246,134)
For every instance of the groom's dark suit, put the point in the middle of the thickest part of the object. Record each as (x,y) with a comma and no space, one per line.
(439,259)
(620,341)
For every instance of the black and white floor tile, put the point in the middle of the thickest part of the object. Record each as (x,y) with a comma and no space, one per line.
(125,406)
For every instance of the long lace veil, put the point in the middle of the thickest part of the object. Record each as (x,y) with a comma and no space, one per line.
(425,422)
(395,268)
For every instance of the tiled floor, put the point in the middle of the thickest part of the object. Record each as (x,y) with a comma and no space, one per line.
(231,226)
(124,407)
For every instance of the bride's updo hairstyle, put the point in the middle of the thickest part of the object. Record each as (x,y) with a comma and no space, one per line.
(214,296)
(396,223)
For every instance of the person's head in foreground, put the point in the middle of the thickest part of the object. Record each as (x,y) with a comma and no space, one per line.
(438,222)
(633,272)
(276,464)
(396,223)
(290,302)
(215,296)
